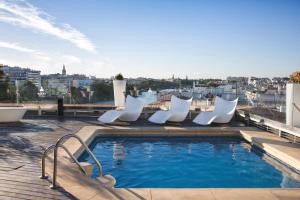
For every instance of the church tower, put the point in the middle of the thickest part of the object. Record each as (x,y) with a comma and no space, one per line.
(64,72)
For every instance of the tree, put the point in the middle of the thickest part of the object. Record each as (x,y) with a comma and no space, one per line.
(156,85)
(212,84)
(4,89)
(79,95)
(4,86)
(28,91)
(7,91)
(102,91)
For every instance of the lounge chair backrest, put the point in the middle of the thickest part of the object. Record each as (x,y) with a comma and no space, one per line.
(180,105)
(133,104)
(223,107)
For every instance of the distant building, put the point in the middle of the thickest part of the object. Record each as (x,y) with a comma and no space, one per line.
(2,74)
(60,84)
(34,77)
(239,80)
(82,83)
(56,86)
(22,75)
(259,82)
(15,73)
(64,72)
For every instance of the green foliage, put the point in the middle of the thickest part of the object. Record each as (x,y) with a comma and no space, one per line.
(212,84)
(103,91)
(209,82)
(119,77)
(187,83)
(12,93)
(183,83)
(79,95)
(28,92)
(157,85)
(4,87)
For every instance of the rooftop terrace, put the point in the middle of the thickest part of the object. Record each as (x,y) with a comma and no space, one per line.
(21,145)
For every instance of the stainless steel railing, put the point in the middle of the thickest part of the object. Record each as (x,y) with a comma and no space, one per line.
(50,148)
(55,150)
(296,106)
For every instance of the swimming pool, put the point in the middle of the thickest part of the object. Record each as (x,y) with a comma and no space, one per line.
(189,162)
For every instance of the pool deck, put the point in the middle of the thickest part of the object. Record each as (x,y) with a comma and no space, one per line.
(20,150)
(21,145)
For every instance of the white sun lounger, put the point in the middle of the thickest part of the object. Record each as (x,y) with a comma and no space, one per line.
(223,112)
(178,111)
(132,111)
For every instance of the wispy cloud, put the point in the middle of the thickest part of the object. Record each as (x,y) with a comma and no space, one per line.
(70,59)
(17,47)
(23,14)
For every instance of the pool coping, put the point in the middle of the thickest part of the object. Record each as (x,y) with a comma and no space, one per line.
(275,146)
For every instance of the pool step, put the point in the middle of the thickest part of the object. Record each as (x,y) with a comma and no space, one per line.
(88,168)
(107,181)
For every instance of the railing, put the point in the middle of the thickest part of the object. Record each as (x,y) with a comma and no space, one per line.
(297,107)
(269,106)
(55,149)
(52,147)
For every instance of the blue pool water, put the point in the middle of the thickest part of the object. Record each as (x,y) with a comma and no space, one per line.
(189,162)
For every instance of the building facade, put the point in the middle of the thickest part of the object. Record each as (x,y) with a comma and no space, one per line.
(22,75)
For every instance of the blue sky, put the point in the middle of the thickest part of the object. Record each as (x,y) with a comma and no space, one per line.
(153,38)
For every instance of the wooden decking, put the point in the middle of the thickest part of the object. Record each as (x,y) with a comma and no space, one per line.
(21,145)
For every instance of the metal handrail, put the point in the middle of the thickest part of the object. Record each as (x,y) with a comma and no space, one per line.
(55,148)
(50,148)
(297,107)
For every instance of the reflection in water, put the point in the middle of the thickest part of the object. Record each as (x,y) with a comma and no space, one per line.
(213,162)
(247,146)
(118,153)
(190,149)
(232,147)
(288,175)
(148,150)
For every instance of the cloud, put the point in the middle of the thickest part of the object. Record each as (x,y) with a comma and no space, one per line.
(21,13)
(71,59)
(17,47)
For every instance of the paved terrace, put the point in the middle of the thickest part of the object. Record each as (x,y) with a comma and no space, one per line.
(21,145)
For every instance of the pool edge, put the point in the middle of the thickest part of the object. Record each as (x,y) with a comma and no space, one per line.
(255,136)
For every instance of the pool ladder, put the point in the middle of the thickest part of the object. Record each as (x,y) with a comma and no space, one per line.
(59,144)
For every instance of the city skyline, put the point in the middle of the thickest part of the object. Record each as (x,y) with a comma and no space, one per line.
(200,39)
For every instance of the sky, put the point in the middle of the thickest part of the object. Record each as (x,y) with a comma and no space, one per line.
(152,38)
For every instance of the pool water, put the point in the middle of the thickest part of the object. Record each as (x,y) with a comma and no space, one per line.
(189,162)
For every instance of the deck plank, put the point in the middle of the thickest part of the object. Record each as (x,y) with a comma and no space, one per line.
(21,146)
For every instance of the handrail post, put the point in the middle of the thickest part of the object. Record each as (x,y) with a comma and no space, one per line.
(53,186)
(43,176)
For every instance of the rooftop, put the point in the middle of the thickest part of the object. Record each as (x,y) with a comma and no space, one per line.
(21,145)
